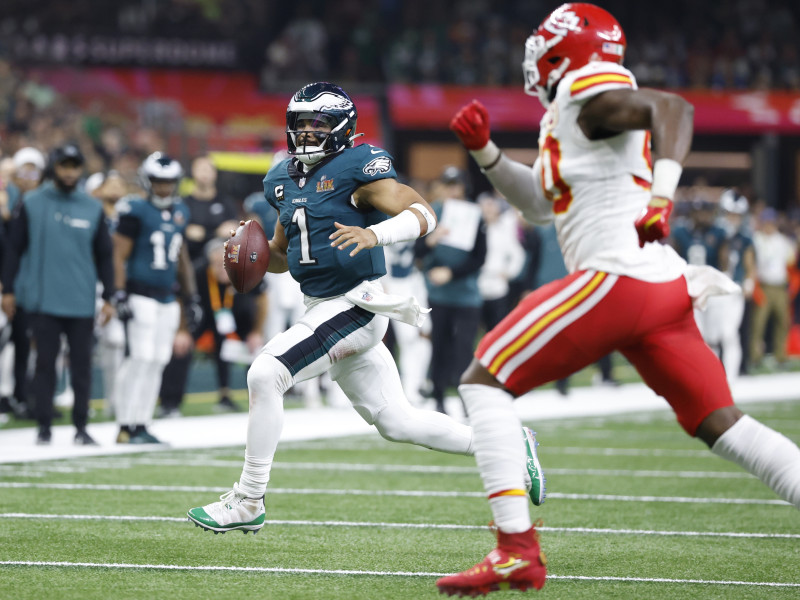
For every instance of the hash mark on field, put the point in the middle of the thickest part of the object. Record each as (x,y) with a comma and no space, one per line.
(403,493)
(303,522)
(32,563)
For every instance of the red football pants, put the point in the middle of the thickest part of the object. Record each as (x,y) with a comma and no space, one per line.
(572,322)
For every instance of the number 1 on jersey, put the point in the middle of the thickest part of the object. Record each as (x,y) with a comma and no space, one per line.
(299,218)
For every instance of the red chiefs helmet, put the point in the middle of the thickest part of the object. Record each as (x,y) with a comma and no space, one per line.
(568,39)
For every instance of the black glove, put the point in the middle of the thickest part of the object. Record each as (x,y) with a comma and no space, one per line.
(120,304)
(193,312)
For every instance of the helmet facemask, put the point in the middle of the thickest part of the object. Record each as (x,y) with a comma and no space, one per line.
(300,136)
(583,33)
(536,48)
(160,168)
(320,106)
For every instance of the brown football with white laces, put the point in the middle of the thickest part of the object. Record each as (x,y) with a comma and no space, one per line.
(247,256)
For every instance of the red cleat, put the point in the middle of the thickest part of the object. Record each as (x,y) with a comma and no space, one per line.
(516,564)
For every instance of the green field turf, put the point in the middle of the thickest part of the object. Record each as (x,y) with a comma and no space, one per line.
(635,510)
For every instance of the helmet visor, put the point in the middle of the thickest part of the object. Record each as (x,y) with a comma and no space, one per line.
(310,120)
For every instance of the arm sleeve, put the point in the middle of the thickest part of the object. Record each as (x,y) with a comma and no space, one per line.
(522,187)
(16,244)
(128,226)
(103,258)
(476,257)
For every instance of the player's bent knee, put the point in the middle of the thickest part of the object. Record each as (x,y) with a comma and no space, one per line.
(266,376)
(476,373)
(717,423)
(393,430)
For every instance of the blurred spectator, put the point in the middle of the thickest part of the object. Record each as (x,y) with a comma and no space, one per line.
(740,265)
(109,188)
(725,45)
(700,241)
(505,258)
(26,176)
(59,245)
(27,171)
(452,257)
(775,253)
(236,321)
(211,213)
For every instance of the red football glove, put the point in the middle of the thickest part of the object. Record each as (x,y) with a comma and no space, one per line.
(471,125)
(653,223)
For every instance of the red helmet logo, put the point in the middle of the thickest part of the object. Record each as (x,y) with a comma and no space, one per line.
(569,38)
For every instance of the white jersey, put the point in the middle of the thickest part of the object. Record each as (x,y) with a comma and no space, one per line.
(598,187)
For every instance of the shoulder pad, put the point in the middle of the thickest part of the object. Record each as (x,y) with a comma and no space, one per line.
(594,78)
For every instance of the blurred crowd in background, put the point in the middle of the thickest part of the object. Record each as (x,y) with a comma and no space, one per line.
(740,44)
(729,45)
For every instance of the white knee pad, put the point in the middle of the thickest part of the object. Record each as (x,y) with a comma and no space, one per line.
(266,376)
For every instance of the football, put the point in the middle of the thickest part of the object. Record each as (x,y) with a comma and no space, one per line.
(247,256)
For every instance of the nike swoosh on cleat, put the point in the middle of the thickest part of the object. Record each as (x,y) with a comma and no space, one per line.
(512,565)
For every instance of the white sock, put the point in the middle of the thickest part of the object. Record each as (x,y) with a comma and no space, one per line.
(499,452)
(267,381)
(765,453)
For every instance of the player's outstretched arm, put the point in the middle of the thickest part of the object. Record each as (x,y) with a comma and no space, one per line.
(412,217)
(670,119)
(514,180)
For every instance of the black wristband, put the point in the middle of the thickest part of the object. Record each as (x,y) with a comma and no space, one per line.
(494,162)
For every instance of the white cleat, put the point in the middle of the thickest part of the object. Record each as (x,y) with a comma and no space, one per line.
(233,511)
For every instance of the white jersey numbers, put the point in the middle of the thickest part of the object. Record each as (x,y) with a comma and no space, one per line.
(299,218)
(556,190)
(161,254)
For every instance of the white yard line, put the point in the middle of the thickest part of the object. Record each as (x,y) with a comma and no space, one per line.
(406,493)
(454,526)
(31,563)
(84,466)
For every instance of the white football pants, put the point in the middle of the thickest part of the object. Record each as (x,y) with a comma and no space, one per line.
(719,324)
(414,347)
(336,335)
(110,354)
(150,335)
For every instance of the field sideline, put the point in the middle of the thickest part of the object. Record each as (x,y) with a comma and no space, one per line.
(635,509)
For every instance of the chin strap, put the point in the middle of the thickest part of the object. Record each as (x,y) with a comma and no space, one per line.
(162,203)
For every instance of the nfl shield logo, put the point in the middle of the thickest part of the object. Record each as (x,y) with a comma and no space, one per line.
(302,182)
(366,297)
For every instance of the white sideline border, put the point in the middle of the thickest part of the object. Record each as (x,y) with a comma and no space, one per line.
(17,445)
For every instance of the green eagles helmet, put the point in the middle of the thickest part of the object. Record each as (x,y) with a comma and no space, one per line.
(321,104)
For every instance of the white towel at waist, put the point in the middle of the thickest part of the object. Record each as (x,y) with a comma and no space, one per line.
(370,296)
(703,281)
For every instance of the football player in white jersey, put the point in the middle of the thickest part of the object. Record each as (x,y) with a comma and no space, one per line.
(593,178)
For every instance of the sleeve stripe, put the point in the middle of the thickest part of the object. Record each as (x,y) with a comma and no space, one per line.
(589,81)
